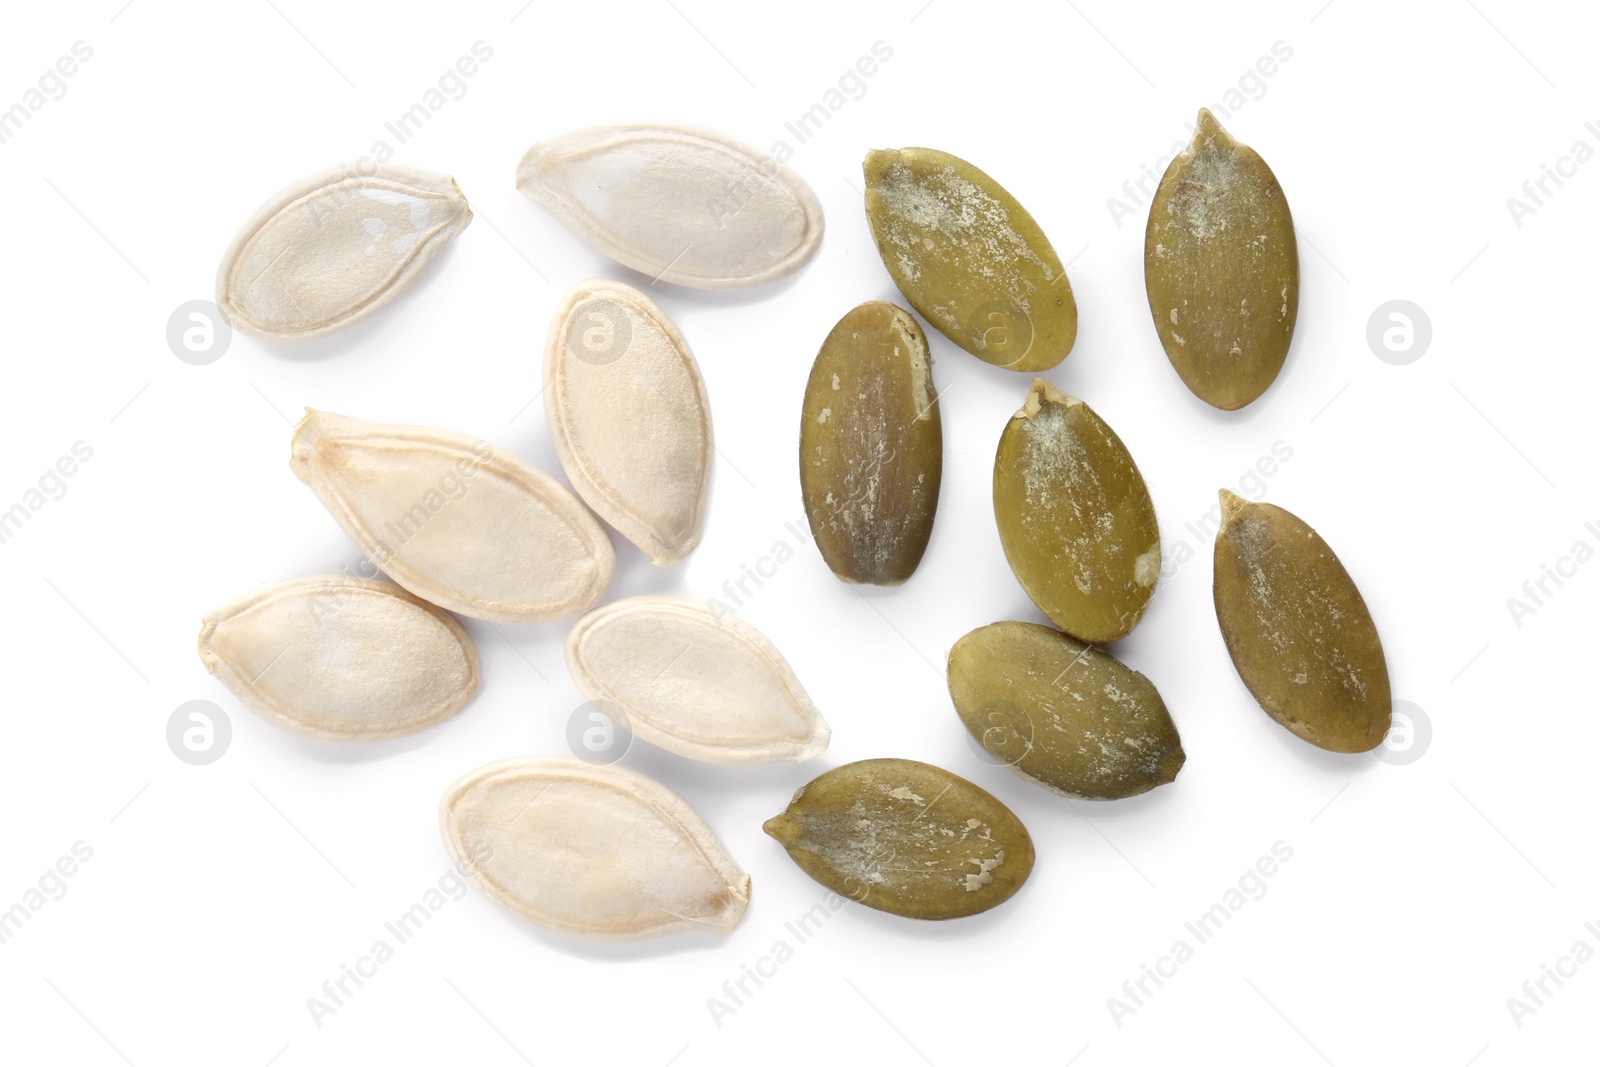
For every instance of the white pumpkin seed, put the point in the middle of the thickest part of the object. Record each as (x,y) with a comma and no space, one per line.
(336,247)
(629,415)
(597,851)
(458,522)
(682,205)
(340,658)
(695,681)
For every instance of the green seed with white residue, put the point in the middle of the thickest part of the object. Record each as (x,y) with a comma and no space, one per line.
(1299,632)
(1075,517)
(1062,713)
(970,258)
(871,446)
(907,838)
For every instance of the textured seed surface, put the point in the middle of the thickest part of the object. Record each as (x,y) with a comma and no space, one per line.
(1075,517)
(1062,713)
(629,416)
(341,658)
(695,682)
(970,258)
(334,248)
(907,838)
(460,523)
(871,446)
(1221,268)
(596,851)
(1299,633)
(681,205)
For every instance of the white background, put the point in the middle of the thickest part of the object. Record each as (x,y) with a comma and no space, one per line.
(1418,898)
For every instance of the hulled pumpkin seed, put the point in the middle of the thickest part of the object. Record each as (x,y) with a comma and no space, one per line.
(458,522)
(596,851)
(970,258)
(907,838)
(1062,713)
(871,446)
(695,681)
(332,249)
(681,205)
(1297,628)
(341,658)
(1075,517)
(629,415)
(1221,268)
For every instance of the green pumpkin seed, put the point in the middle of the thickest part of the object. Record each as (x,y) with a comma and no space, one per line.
(970,258)
(1299,633)
(1075,517)
(1221,268)
(871,447)
(907,838)
(1062,713)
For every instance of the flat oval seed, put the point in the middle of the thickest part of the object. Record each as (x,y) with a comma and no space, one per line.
(1222,268)
(1062,713)
(1075,517)
(970,258)
(629,416)
(340,658)
(695,681)
(907,838)
(458,522)
(682,205)
(1299,633)
(332,249)
(596,851)
(871,446)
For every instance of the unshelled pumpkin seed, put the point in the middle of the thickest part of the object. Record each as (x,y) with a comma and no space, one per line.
(695,681)
(341,658)
(332,249)
(595,851)
(680,205)
(1222,268)
(629,416)
(871,446)
(460,523)
(1298,631)
(970,258)
(907,838)
(1061,713)
(1075,517)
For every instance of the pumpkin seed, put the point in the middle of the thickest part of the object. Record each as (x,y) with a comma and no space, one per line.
(1075,517)
(332,249)
(1297,629)
(871,447)
(970,258)
(695,681)
(458,522)
(682,205)
(907,838)
(1062,713)
(629,415)
(340,658)
(596,851)
(1222,268)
